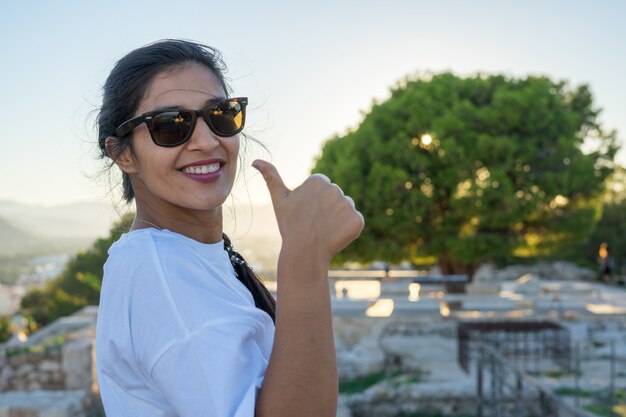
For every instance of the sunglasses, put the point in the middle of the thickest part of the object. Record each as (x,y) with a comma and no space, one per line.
(174,127)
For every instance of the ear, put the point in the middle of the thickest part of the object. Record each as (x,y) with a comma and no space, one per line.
(123,158)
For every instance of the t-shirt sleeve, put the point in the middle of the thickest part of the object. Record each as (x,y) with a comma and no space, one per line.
(214,371)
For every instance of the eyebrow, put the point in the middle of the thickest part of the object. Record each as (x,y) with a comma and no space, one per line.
(207,103)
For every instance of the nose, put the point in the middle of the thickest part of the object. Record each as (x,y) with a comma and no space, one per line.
(202,137)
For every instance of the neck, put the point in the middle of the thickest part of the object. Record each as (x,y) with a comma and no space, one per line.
(201,225)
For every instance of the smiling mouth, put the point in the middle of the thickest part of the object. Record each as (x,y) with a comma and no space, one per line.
(202,169)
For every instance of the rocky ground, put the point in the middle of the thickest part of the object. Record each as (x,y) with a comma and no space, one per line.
(416,361)
(406,364)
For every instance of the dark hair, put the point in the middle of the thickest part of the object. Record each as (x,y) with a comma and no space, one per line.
(122,93)
(263,299)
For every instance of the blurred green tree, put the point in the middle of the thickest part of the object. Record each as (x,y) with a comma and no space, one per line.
(465,170)
(611,228)
(77,286)
(5,328)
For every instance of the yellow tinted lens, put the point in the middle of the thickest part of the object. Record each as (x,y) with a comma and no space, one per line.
(227,119)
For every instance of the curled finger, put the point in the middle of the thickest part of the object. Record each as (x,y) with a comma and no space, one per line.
(322,177)
(337,187)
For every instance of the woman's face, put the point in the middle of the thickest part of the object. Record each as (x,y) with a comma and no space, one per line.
(166,177)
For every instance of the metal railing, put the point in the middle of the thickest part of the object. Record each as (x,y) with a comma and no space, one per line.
(526,343)
(512,392)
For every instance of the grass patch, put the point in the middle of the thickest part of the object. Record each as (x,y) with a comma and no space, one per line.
(409,378)
(364,382)
(555,373)
(601,410)
(567,392)
(48,345)
(618,395)
(418,414)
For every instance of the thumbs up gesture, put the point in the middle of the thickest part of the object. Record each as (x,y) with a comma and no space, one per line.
(315,217)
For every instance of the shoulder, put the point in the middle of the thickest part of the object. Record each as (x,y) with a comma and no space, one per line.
(145,243)
(161,275)
(163,244)
(147,254)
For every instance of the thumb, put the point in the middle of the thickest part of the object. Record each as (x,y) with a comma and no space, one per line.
(274,182)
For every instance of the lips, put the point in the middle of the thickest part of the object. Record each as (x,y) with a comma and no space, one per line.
(203,171)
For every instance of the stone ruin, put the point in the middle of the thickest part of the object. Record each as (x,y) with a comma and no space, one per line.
(53,374)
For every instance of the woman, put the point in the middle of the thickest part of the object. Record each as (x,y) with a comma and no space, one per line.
(185,328)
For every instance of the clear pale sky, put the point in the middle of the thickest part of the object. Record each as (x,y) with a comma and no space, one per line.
(308,68)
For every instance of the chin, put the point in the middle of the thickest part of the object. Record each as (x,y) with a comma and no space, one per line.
(208,204)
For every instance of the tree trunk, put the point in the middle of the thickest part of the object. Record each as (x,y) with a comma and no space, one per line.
(450,266)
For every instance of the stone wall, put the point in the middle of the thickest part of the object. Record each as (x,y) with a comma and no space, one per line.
(78,403)
(408,346)
(558,270)
(54,372)
(70,366)
(385,400)
(32,371)
(368,345)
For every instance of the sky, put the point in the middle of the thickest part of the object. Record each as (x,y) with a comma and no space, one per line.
(310,69)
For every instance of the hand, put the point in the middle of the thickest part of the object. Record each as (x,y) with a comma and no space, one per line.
(315,217)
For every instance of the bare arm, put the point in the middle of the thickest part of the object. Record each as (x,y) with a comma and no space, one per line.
(316,221)
(301,378)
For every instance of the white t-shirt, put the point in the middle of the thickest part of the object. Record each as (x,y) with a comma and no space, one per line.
(178,334)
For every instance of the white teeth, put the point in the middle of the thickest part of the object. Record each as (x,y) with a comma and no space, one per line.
(204,169)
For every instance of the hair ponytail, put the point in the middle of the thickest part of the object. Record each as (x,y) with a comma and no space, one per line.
(263,299)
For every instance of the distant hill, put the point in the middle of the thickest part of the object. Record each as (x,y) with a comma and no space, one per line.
(17,242)
(34,229)
(78,220)
(254,232)
(94,219)
(12,237)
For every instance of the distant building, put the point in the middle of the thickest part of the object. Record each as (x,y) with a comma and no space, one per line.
(10,297)
(43,269)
